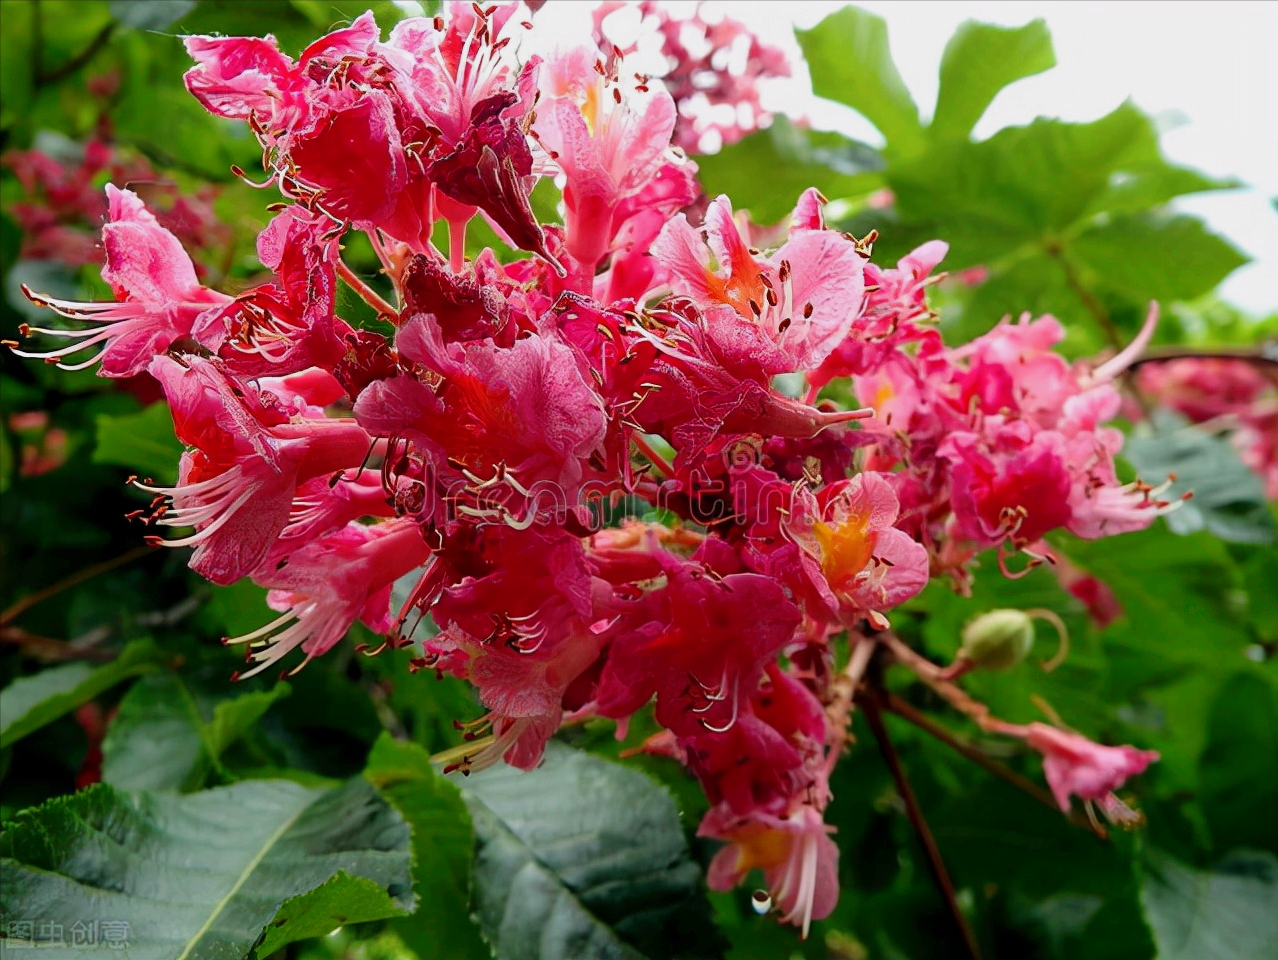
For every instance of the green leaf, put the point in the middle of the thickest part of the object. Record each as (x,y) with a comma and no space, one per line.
(850,62)
(338,901)
(142,441)
(1239,768)
(767,171)
(1059,883)
(1260,573)
(232,858)
(979,61)
(235,717)
(31,702)
(1228,498)
(160,740)
(16,74)
(583,858)
(1151,182)
(443,848)
(1150,257)
(1022,185)
(1230,913)
(154,741)
(149,14)
(1180,637)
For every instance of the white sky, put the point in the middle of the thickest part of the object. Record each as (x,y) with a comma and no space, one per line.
(1208,72)
(1212,67)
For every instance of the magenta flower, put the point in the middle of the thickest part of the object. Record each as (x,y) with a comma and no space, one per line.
(318,609)
(799,860)
(851,554)
(1075,766)
(785,313)
(159,299)
(236,486)
(610,136)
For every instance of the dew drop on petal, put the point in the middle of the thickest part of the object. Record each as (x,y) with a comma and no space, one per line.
(761,902)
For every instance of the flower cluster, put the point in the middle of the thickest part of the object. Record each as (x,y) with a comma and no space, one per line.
(63,208)
(481,457)
(714,67)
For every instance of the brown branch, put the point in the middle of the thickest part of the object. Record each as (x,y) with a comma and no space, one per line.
(76,62)
(948,691)
(907,712)
(1264,357)
(26,603)
(1265,353)
(874,717)
(50,649)
(1093,305)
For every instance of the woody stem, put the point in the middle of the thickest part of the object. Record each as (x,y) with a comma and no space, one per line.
(366,293)
(874,718)
(906,711)
(951,693)
(29,601)
(839,711)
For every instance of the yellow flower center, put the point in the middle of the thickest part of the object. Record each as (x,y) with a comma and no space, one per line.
(761,847)
(845,549)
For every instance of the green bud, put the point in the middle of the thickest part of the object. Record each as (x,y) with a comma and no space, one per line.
(997,640)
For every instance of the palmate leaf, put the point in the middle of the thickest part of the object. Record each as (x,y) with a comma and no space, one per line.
(767,171)
(1021,185)
(142,441)
(1238,768)
(849,59)
(1156,257)
(979,61)
(443,848)
(584,858)
(199,877)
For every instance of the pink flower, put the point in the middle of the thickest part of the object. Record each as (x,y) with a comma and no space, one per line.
(774,753)
(703,649)
(799,860)
(637,221)
(318,607)
(236,486)
(715,70)
(609,134)
(159,299)
(290,325)
(787,312)
(1231,393)
(1075,766)
(895,310)
(1013,486)
(522,414)
(855,560)
(522,631)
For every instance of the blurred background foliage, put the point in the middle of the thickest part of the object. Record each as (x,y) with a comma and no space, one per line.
(304,818)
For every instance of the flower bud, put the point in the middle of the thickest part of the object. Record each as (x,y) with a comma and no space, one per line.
(997,640)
